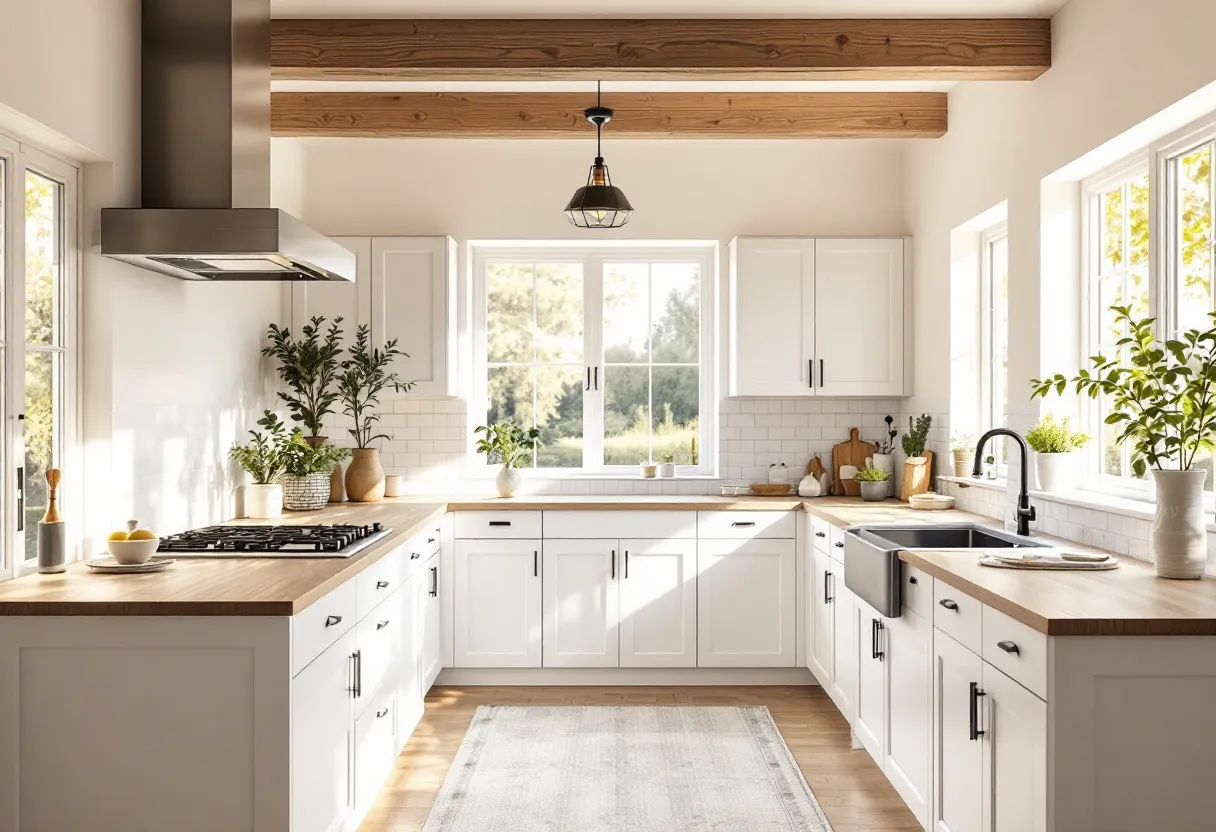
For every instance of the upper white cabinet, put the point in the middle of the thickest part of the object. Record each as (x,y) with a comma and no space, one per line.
(405,288)
(798,310)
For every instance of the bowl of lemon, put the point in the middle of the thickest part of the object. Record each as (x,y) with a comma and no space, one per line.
(132,546)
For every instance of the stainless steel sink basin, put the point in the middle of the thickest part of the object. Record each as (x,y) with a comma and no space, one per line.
(873,570)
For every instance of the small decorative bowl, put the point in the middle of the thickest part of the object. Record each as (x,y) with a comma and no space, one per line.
(133,552)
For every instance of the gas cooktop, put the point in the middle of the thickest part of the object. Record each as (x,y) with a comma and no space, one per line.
(273,541)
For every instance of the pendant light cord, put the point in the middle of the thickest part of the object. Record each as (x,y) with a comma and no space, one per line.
(598,154)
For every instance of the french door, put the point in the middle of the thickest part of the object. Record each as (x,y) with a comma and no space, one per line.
(38,251)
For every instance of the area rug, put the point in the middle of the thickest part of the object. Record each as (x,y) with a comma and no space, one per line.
(624,769)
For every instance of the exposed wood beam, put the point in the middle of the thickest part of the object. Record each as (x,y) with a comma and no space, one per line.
(573,49)
(638,115)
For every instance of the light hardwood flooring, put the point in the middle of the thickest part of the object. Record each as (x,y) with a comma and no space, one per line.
(848,785)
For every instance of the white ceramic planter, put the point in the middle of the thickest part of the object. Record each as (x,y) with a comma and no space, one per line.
(1180,537)
(667,470)
(263,501)
(508,481)
(1057,472)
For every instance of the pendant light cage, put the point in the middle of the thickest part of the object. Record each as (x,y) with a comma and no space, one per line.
(599,203)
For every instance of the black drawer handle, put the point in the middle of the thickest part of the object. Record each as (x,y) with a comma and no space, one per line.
(948,604)
(430,540)
(380,625)
(821,534)
(332,620)
(912,580)
(382,714)
(500,522)
(739,523)
(975,694)
(875,635)
(827,599)
(1009,647)
(415,555)
(839,544)
(381,584)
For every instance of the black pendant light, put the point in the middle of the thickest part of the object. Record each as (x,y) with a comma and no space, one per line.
(599,203)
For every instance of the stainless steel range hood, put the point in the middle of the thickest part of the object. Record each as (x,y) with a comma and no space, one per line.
(206,155)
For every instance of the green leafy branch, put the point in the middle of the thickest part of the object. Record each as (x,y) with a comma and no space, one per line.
(507,443)
(309,366)
(263,455)
(363,377)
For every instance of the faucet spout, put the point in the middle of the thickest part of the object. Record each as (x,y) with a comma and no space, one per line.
(1026,512)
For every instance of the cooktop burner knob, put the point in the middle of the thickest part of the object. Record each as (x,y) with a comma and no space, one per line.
(375,527)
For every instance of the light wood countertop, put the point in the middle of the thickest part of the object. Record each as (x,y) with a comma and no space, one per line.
(626,502)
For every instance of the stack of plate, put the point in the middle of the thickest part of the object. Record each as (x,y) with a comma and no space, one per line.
(106,564)
(930,502)
(1075,561)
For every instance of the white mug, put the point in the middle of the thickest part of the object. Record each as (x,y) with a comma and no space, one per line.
(394,485)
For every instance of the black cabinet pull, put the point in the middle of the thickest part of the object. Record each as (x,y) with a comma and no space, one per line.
(596,385)
(500,522)
(434,581)
(614,564)
(912,580)
(810,369)
(21,496)
(823,380)
(382,714)
(839,544)
(535,564)
(1009,647)
(976,693)
(827,599)
(743,524)
(626,564)
(380,625)
(415,555)
(949,604)
(588,387)
(356,681)
(381,584)
(821,534)
(875,636)
(332,620)
(430,540)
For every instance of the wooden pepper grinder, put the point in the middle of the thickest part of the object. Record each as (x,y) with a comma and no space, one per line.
(51,546)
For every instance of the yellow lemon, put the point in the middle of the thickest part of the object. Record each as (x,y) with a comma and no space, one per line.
(119,535)
(141,534)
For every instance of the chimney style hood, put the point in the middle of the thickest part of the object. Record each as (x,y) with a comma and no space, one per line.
(206,155)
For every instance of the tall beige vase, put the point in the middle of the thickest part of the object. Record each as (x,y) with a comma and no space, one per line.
(365,476)
(1180,535)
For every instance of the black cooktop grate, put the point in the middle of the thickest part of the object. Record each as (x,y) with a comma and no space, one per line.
(269,538)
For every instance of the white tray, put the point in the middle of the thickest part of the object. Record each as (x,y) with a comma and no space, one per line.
(107,565)
(1050,564)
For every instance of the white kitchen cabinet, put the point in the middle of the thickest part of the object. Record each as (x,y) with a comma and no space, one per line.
(859,283)
(909,718)
(822,640)
(958,753)
(378,640)
(409,663)
(430,622)
(413,300)
(498,603)
(581,603)
(658,603)
(337,298)
(322,740)
(843,689)
(795,308)
(746,603)
(870,722)
(375,749)
(1015,762)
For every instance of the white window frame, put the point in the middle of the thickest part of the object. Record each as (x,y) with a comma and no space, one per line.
(20,157)
(704,252)
(988,416)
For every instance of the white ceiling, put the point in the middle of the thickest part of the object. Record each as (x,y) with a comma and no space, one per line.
(666,8)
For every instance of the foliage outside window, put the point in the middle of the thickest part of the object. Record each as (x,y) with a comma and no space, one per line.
(601,349)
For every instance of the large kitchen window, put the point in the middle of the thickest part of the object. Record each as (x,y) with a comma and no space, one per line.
(37,261)
(606,350)
(994,298)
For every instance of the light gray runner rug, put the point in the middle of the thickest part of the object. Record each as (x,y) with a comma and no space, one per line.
(624,769)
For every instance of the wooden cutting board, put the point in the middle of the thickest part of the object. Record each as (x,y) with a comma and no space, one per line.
(853,452)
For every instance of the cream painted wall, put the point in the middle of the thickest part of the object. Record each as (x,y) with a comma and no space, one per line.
(170,371)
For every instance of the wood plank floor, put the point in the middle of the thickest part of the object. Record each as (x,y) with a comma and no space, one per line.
(849,786)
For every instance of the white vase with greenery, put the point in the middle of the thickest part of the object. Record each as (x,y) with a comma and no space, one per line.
(1057,458)
(506,443)
(1163,398)
(263,458)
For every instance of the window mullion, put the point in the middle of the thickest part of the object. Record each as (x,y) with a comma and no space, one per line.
(593,355)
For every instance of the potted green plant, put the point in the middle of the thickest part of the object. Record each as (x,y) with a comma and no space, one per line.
(1055,459)
(990,467)
(1162,395)
(667,465)
(307,470)
(962,452)
(364,375)
(506,443)
(262,457)
(916,468)
(873,484)
(882,458)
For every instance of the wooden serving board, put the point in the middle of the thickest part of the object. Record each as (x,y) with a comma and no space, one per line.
(853,452)
(917,478)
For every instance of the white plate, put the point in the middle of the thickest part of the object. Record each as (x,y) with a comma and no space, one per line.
(108,565)
(1049,564)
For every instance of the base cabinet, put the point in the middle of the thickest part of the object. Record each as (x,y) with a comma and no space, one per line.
(958,753)
(581,604)
(821,639)
(658,603)
(843,689)
(909,718)
(1015,760)
(409,666)
(375,749)
(322,740)
(746,603)
(498,603)
(430,622)
(870,722)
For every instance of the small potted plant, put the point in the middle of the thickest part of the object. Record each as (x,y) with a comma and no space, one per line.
(506,443)
(962,451)
(882,458)
(1055,445)
(990,467)
(873,484)
(262,457)
(307,469)
(916,464)
(667,468)
(364,376)
(649,469)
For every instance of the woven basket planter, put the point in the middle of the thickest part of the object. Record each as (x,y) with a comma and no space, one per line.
(306,493)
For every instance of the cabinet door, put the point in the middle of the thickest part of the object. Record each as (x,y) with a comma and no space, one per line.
(430,621)
(581,603)
(413,299)
(745,603)
(844,646)
(859,288)
(375,750)
(772,316)
(497,603)
(378,639)
(322,740)
(870,725)
(409,688)
(909,656)
(819,654)
(337,298)
(1015,775)
(658,581)
(958,755)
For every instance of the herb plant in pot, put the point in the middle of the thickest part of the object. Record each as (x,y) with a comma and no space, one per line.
(1055,445)
(262,457)
(916,466)
(363,377)
(667,467)
(308,469)
(1163,397)
(506,443)
(962,451)
(873,484)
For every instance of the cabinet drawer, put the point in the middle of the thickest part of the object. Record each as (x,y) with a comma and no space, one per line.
(1018,650)
(917,591)
(821,534)
(958,614)
(745,524)
(836,536)
(321,624)
(375,749)
(378,639)
(478,525)
(378,581)
(613,525)
(419,549)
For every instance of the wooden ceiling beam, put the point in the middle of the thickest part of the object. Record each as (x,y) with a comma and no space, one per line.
(638,115)
(610,49)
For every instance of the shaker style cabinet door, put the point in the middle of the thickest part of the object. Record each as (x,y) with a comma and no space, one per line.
(409,688)
(322,740)
(746,603)
(822,641)
(430,621)
(1015,766)
(332,299)
(497,603)
(870,724)
(909,657)
(658,581)
(581,603)
(843,689)
(958,750)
